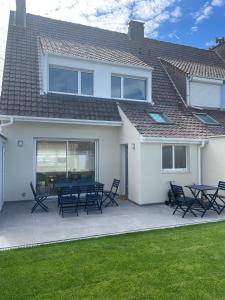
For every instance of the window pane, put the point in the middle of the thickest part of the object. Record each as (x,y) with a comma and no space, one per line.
(65,81)
(159,118)
(180,157)
(81,160)
(134,89)
(116,87)
(206,119)
(86,83)
(167,157)
(51,163)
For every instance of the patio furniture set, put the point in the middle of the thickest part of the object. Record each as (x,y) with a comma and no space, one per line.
(204,198)
(75,195)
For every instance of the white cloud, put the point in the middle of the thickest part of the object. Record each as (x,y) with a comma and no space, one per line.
(203,13)
(173,35)
(210,43)
(218,3)
(207,10)
(107,14)
(194,28)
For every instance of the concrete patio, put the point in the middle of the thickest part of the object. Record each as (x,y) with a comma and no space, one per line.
(18,227)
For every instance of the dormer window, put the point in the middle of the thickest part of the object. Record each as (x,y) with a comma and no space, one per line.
(206,119)
(130,88)
(159,118)
(70,81)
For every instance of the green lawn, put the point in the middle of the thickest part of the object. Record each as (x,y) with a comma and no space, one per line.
(180,263)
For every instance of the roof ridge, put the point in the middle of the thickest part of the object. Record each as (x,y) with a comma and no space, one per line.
(118,32)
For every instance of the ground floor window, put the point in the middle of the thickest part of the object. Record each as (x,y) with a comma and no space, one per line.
(174,157)
(72,159)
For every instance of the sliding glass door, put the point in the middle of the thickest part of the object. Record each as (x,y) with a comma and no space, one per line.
(57,159)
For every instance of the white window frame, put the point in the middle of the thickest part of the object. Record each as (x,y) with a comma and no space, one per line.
(122,76)
(79,71)
(173,169)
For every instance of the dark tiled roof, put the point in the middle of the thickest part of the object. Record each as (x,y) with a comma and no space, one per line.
(92,52)
(197,69)
(21,82)
(183,123)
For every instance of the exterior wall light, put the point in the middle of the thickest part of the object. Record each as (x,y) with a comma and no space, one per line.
(133,146)
(20,143)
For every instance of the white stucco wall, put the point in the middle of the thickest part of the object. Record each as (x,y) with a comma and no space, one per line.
(2,142)
(102,74)
(20,161)
(205,94)
(214,161)
(130,136)
(154,182)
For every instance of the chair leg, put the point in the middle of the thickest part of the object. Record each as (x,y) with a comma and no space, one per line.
(186,210)
(175,209)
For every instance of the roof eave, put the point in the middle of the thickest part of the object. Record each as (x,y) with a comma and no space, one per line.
(61,120)
(98,61)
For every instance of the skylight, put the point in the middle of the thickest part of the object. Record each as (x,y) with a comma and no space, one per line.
(206,119)
(158,117)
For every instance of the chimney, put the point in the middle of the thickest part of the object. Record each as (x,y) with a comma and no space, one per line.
(136,30)
(20,13)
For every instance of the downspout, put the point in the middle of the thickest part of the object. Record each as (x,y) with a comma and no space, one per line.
(11,121)
(200,147)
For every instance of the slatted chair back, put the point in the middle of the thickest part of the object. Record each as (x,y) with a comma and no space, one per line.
(177,191)
(221,185)
(75,190)
(65,191)
(33,189)
(115,186)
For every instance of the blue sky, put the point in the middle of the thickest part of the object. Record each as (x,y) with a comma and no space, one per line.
(190,30)
(192,22)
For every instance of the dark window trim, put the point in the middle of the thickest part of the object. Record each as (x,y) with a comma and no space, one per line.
(214,123)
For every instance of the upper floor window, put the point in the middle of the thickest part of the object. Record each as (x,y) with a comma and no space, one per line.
(206,119)
(63,80)
(128,87)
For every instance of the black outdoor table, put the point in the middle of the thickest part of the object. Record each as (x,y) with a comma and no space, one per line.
(206,202)
(81,184)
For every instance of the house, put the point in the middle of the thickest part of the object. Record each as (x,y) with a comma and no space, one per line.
(83,101)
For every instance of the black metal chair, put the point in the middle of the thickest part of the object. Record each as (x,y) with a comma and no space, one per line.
(94,196)
(68,200)
(61,180)
(218,199)
(183,203)
(112,193)
(39,199)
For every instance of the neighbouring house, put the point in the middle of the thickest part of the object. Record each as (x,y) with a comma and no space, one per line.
(86,102)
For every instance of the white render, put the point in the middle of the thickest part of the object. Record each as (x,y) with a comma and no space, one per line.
(20,161)
(214,161)
(102,73)
(148,184)
(2,145)
(205,93)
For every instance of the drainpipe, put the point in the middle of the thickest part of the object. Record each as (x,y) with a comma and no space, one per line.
(200,147)
(11,121)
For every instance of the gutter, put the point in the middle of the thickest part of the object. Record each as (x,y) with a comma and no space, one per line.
(58,121)
(163,140)
(11,121)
